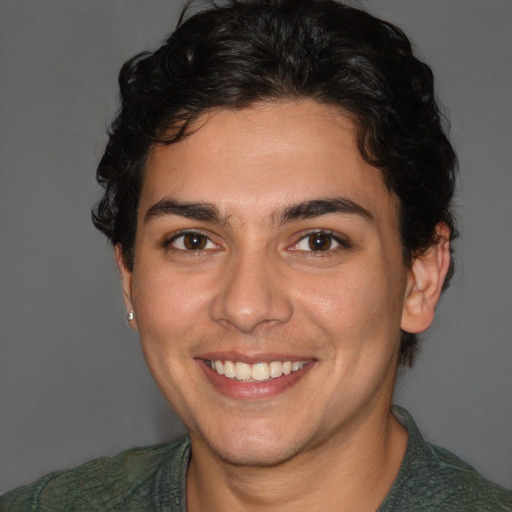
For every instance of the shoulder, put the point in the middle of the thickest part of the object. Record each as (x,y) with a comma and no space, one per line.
(456,485)
(432,478)
(107,483)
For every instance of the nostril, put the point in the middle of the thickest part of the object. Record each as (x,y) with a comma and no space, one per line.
(249,309)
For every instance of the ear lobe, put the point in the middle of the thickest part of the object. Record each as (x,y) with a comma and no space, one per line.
(425,283)
(126,283)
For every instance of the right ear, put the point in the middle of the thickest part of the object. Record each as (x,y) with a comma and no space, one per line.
(126,282)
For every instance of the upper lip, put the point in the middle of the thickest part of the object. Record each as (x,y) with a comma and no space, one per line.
(251,358)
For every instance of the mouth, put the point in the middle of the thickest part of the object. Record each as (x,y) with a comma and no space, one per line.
(257,372)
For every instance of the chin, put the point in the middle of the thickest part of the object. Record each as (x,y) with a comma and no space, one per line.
(264,448)
(254,454)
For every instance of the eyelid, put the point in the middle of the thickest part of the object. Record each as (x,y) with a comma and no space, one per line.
(169,239)
(336,237)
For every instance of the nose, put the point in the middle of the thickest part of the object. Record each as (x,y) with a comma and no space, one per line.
(252,294)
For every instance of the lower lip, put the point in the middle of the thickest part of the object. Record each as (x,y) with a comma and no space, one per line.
(253,390)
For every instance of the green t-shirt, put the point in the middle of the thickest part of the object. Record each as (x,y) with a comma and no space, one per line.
(153,478)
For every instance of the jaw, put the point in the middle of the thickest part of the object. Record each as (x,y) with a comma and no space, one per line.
(298,423)
(266,446)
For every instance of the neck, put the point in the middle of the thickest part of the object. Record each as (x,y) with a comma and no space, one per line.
(351,471)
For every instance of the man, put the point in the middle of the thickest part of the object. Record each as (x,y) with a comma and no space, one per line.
(278,190)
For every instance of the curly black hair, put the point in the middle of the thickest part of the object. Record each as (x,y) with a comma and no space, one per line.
(249,51)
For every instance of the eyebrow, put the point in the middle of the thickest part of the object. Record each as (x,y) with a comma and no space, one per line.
(319,207)
(197,211)
(305,210)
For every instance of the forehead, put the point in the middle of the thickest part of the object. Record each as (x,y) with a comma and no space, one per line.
(254,161)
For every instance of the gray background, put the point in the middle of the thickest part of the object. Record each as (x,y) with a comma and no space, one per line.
(73,384)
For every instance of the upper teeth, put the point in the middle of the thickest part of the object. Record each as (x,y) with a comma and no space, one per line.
(255,372)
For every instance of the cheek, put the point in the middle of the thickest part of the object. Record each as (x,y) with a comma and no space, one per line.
(168,304)
(362,303)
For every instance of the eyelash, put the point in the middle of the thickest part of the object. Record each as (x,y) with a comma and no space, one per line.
(342,243)
(168,242)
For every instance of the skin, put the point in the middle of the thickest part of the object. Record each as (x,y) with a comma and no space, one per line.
(257,291)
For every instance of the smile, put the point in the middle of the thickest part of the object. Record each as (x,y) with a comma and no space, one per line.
(258,372)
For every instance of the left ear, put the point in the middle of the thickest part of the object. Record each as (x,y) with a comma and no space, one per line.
(126,282)
(425,282)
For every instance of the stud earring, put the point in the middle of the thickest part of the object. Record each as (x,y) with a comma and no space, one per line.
(130,316)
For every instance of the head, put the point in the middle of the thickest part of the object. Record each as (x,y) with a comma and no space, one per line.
(270,51)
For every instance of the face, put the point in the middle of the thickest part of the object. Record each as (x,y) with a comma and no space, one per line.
(268,284)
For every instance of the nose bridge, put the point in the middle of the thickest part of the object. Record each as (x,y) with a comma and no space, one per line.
(251,293)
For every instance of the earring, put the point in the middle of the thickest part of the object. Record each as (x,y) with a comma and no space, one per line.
(130,316)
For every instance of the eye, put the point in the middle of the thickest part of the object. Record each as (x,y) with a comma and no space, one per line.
(191,241)
(319,242)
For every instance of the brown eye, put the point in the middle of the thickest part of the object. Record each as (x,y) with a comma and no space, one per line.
(194,241)
(191,241)
(320,241)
